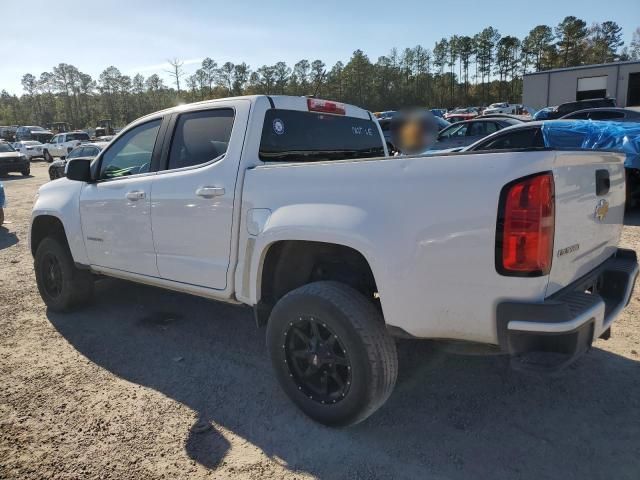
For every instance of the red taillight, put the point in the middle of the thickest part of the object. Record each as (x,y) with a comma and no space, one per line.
(325,106)
(526,225)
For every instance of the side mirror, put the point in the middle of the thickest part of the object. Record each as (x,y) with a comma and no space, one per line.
(79,169)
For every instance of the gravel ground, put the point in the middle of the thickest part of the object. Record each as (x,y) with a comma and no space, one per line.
(152,384)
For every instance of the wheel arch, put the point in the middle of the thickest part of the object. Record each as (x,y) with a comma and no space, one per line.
(285,264)
(43,226)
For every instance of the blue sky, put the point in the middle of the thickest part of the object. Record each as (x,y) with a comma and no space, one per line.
(139,36)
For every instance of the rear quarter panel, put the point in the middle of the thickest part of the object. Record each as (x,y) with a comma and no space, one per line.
(426,225)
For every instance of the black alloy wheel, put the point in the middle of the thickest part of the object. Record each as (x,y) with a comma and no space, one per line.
(317,360)
(52,276)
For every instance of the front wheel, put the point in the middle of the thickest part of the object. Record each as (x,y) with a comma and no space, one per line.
(331,352)
(26,171)
(61,284)
(47,156)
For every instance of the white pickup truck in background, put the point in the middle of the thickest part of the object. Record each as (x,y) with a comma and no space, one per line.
(61,144)
(288,204)
(504,107)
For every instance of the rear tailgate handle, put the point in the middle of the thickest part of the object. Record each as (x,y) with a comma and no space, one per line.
(602,182)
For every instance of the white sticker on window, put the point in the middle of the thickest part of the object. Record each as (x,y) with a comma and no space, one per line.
(278,126)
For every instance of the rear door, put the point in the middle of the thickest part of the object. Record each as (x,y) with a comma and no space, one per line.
(192,196)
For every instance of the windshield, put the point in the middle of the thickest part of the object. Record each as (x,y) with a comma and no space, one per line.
(6,148)
(292,135)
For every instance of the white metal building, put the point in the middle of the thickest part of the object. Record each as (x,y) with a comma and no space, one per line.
(619,80)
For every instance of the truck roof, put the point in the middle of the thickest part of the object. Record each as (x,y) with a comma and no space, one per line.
(285,102)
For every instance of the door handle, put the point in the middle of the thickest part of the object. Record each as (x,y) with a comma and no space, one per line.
(210,192)
(135,195)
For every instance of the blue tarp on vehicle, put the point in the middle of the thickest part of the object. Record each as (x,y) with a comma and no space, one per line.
(590,135)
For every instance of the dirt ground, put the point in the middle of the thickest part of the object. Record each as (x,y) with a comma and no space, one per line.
(152,384)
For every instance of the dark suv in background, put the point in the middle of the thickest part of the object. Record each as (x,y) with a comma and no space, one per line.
(570,107)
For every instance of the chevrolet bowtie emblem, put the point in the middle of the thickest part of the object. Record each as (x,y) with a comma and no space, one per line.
(601,209)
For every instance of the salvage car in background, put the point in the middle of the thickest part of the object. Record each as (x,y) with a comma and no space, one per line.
(622,137)
(465,133)
(29,148)
(87,150)
(460,114)
(560,111)
(612,114)
(13,161)
(33,132)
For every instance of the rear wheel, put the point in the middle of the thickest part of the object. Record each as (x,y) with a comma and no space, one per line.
(332,353)
(1,215)
(62,286)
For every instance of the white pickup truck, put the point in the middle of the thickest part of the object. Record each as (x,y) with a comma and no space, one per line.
(502,108)
(62,144)
(288,204)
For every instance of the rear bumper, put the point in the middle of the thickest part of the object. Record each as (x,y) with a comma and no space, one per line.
(550,335)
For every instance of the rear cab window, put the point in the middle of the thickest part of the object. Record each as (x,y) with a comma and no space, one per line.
(77,136)
(299,136)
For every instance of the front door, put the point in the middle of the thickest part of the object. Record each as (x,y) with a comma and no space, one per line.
(192,195)
(115,210)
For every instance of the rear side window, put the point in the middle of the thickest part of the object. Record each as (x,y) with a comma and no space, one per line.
(200,137)
(454,131)
(579,116)
(606,115)
(292,135)
(525,138)
(480,128)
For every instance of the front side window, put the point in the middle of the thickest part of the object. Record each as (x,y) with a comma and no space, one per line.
(131,153)
(54,139)
(296,135)
(200,137)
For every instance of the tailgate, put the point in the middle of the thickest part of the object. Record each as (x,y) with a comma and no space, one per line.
(589,216)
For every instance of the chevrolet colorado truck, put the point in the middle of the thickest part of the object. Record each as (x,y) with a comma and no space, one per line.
(292,206)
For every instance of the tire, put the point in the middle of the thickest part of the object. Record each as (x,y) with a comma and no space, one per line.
(70,286)
(47,156)
(1,215)
(26,171)
(353,332)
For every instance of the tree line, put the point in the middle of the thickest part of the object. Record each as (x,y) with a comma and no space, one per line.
(459,70)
